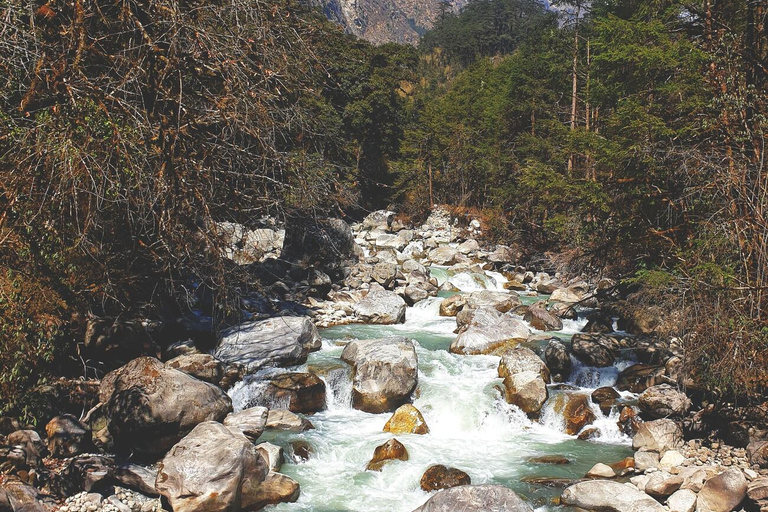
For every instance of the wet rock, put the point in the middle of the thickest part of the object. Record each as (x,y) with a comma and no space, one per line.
(385,372)
(577,413)
(525,379)
(302,450)
(683,500)
(272,455)
(152,406)
(281,419)
(200,366)
(549,459)
(593,350)
(599,322)
(67,436)
(605,397)
(500,301)
(568,295)
(276,488)
(588,433)
(381,307)
(251,422)
(541,319)
(722,493)
(662,484)
(391,450)
(302,392)
(558,360)
(441,477)
(658,436)
(628,421)
(278,341)
(488,332)
(609,496)
(475,498)
(407,419)
(212,469)
(664,401)
(639,377)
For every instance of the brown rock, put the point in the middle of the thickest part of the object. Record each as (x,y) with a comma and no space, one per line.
(639,377)
(722,493)
(391,450)
(200,366)
(660,485)
(303,392)
(276,488)
(302,450)
(407,419)
(441,477)
(67,436)
(541,319)
(577,413)
(549,459)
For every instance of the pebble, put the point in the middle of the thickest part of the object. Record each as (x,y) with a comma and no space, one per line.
(91,502)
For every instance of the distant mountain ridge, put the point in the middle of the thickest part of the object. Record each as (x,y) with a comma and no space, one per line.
(387,21)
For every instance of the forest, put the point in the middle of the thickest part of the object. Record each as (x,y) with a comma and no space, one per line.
(629,135)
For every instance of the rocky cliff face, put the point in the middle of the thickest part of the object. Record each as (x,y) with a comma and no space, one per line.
(386,21)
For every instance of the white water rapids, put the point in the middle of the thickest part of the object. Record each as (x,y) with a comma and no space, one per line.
(471,427)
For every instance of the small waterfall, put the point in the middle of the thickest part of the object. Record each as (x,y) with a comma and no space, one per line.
(253,392)
(551,416)
(338,388)
(497,280)
(592,377)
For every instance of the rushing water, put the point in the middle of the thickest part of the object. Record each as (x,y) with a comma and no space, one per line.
(471,427)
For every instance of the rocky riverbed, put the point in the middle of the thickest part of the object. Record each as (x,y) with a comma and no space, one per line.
(427,371)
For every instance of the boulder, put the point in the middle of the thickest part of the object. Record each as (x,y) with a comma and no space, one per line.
(391,450)
(385,372)
(664,401)
(605,397)
(407,419)
(379,219)
(475,498)
(671,459)
(251,422)
(445,255)
(200,366)
(558,360)
(325,243)
(489,331)
(722,493)
(568,295)
(136,477)
(273,455)
(25,449)
(658,436)
(541,319)
(276,488)
(577,412)
(17,496)
(609,496)
(298,392)
(661,484)
(593,350)
(639,377)
(213,469)
(278,341)
(282,419)
(601,470)
(67,436)
(500,301)
(525,379)
(441,477)
(757,452)
(152,407)
(683,500)
(381,307)
(384,274)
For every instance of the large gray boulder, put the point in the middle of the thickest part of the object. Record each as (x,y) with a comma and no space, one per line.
(609,496)
(658,436)
(475,498)
(380,307)
(593,349)
(722,493)
(525,379)
(278,341)
(500,301)
(488,332)
(541,319)
(150,406)
(664,401)
(385,372)
(443,255)
(251,422)
(213,469)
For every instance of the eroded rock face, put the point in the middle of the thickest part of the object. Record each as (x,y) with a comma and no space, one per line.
(385,372)
(279,341)
(475,498)
(151,406)
(609,496)
(213,469)
(381,307)
(441,477)
(303,392)
(639,377)
(407,419)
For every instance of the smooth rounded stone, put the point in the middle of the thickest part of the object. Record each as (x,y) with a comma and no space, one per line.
(548,285)
(276,488)
(152,406)
(664,401)
(450,306)
(521,359)
(381,307)
(541,319)
(414,294)
(278,341)
(588,433)
(500,301)
(391,450)
(558,360)
(251,422)
(639,377)
(407,419)
(282,419)
(488,332)
(568,295)
(658,436)
(384,372)
(661,484)
(441,477)
(67,436)
(272,454)
(671,459)
(302,392)
(593,350)
(722,493)
(601,470)
(475,498)
(683,500)
(445,255)
(549,459)
(646,460)
(213,469)
(609,496)
(757,452)
(201,366)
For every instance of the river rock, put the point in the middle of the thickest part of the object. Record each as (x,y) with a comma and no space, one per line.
(385,372)
(200,366)
(661,484)
(593,350)
(757,452)
(272,454)
(525,379)
(601,470)
(500,301)
(639,377)
(276,488)
(278,341)
(379,219)
(541,319)
(475,498)
(391,450)
(722,493)
(381,307)
(136,477)
(570,295)
(683,500)
(444,255)
(407,419)
(17,496)
(152,407)
(213,469)
(24,450)
(646,460)
(609,496)
(282,419)
(577,412)
(671,459)
(384,273)
(664,401)
(251,422)
(300,392)
(67,436)
(441,477)
(489,331)
(558,360)
(658,436)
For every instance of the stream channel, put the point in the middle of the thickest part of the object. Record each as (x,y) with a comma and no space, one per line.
(472,428)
